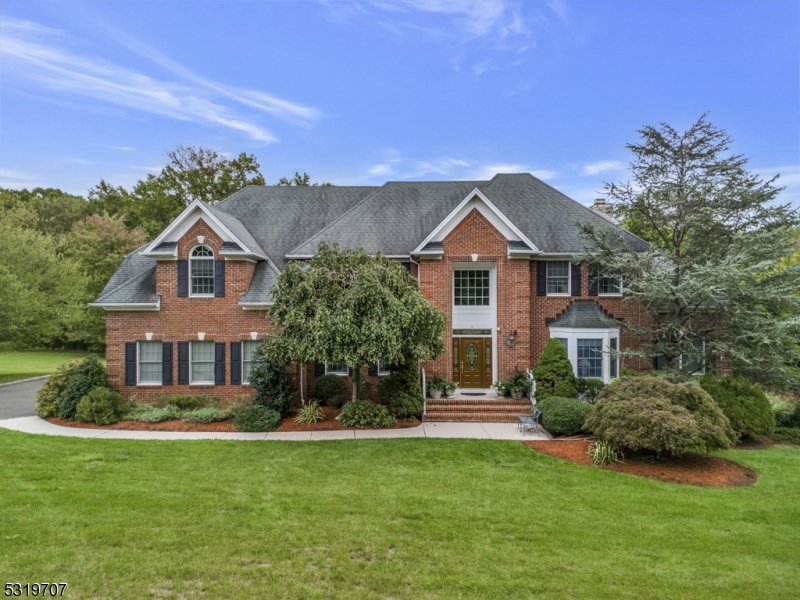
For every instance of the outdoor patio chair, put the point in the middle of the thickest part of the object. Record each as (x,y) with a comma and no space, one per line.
(529,420)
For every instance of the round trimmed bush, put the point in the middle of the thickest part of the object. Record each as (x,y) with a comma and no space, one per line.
(47,396)
(329,390)
(101,406)
(588,388)
(257,418)
(88,375)
(363,413)
(650,413)
(271,384)
(563,416)
(553,373)
(745,404)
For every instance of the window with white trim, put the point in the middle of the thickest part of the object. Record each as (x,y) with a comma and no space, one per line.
(201,357)
(201,271)
(249,349)
(590,358)
(384,368)
(609,286)
(150,358)
(557,277)
(471,287)
(613,360)
(336,369)
(694,363)
(564,343)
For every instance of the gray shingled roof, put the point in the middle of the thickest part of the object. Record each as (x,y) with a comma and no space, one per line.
(277,221)
(585,314)
(134,282)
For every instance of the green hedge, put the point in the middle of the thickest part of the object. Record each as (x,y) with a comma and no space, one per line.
(563,416)
(88,375)
(329,390)
(363,413)
(744,403)
(48,394)
(101,406)
(257,418)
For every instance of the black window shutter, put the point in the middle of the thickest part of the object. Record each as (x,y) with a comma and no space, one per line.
(183,363)
(130,363)
(236,363)
(183,279)
(373,369)
(593,282)
(166,363)
(350,372)
(319,369)
(541,278)
(219,278)
(576,278)
(219,363)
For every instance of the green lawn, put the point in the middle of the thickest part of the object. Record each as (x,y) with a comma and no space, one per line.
(21,365)
(384,519)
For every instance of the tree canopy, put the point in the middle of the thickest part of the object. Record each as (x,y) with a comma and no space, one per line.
(718,270)
(347,307)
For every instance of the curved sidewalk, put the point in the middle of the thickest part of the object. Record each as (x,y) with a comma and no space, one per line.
(484,431)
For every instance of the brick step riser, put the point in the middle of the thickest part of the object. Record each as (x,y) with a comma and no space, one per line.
(468,418)
(450,409)
(471,401)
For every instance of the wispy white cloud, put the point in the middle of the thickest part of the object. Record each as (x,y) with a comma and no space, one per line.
(603,166)
(40,56)
(789,178)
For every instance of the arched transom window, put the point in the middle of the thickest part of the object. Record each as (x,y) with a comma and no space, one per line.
(201,271)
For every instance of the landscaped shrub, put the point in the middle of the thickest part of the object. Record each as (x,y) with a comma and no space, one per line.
(47,397)
(257,418)
(310,413)
(329,390)
(653,414)
(563,416)
(271,383)
(588,388)
(155,414)
(553,373)
(363,413)
(402,392)
(209,414)
(745,404)
(101,406)
(787,434)
(190,402)
(88,375)
(783,411)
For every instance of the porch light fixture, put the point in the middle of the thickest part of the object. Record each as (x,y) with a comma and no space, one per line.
(201,239)
(148,336)
(201,335)
(253,335)
(512,338)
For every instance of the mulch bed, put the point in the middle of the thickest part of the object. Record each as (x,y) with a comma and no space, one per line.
(690,469)
(328,424)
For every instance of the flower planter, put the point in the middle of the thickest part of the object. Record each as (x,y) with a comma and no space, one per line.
(516,394)
(450,393)
(435,394)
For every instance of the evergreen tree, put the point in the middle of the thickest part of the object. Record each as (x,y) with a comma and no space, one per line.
(553,373)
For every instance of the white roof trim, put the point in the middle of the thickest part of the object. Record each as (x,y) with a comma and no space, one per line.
(255,305)
(214,222)
(493,215)
(116,306)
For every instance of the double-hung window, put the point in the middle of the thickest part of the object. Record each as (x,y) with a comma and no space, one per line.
(609,286)
(150,356)
(336,369)
(201,355)
(201,271)
(557,277)
(590,358)
(471,287)
(384,368)
(249,349)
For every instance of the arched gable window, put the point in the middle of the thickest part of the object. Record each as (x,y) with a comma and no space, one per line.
(201,271)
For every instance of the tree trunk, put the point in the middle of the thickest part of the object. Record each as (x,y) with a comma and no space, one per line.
(356,381)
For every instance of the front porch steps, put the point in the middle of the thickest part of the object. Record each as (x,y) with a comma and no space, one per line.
(466,410)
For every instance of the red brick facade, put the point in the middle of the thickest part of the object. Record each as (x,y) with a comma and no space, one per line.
(224,320)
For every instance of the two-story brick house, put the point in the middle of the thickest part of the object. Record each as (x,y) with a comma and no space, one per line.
(185,311)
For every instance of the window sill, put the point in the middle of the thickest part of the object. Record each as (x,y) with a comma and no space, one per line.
(610,295)
(558,295)
(202,384)
(339,374)
(201,296)
(146,384)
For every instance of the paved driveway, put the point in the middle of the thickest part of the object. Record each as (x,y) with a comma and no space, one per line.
(19,399)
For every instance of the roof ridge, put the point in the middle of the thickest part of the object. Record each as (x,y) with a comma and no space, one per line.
(340,217)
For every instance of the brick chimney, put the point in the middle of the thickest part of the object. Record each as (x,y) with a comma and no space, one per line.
(602,208)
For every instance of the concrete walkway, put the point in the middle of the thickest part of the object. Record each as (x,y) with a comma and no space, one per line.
(483,431)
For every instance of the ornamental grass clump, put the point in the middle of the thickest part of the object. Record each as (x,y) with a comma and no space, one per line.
(309,414)
(563,416)
(744,403)
(553,373)
(47,396)
(650,413)
(363,413)
(604,453)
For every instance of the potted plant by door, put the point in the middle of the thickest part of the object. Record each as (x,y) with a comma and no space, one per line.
(500,388)
(516,393)
(435,387)
(450,388)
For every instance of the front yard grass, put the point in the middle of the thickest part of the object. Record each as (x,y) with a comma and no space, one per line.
(411,518)
(16,365)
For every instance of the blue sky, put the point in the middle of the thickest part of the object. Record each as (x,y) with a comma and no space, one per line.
(370,91)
